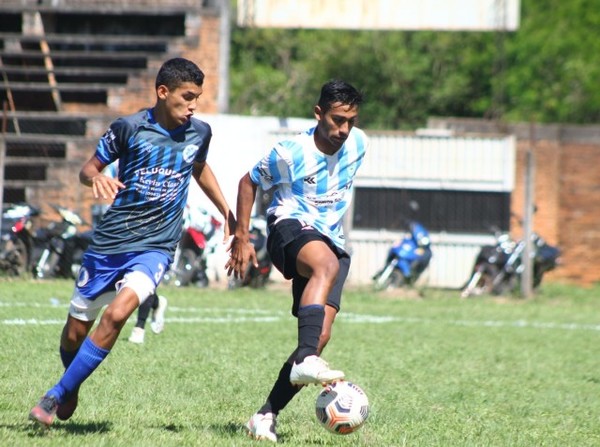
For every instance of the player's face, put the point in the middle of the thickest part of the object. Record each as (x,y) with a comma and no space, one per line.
(180,103)
(334,126)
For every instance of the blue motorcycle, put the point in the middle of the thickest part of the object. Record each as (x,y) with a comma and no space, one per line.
(406,260)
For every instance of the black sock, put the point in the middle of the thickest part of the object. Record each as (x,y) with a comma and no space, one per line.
(310,325)
(67,356)
(144,311)
(282,393)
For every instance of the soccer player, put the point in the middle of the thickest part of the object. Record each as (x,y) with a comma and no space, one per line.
(312,174)
(159,150)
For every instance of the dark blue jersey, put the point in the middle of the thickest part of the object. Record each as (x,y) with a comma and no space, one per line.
(155,165)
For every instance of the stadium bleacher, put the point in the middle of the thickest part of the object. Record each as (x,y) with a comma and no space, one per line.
(64,64)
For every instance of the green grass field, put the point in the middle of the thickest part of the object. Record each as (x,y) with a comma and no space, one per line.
(438,370)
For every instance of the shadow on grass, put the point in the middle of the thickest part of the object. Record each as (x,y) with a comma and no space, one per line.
(73,428)
(232,429)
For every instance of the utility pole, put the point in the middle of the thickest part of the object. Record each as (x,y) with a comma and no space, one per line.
(527,275)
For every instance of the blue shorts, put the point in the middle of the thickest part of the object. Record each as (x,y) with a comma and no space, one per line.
(101,276)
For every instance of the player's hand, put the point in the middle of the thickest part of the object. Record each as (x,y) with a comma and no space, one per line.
(105,187)
(240,253)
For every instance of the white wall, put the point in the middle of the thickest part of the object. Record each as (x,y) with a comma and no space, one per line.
(403,160)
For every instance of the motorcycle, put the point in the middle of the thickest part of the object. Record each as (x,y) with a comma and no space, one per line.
(61,246)
(17,239)
(498,268)
(197,241)
(407,259)
(256,277)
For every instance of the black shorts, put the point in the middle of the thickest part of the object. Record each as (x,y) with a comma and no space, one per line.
(285,241)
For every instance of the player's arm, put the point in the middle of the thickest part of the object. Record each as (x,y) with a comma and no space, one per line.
(102,185)
(242,250)
(208,183)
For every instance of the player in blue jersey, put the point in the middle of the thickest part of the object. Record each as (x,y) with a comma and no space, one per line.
(312,174)
(159,150)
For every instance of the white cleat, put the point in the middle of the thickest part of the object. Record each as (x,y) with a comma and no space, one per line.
(262,427)
(158,316)
(314,370)
(137,335)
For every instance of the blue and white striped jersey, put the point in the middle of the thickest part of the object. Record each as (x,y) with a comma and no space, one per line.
(311,186)
(155,165)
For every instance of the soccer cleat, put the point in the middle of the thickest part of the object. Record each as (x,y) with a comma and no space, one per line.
(137,335)
(314,370)
(158,316)
(66,409)
(43,413)
(262,427)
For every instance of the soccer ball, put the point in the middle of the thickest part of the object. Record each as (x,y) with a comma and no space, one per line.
(342,407)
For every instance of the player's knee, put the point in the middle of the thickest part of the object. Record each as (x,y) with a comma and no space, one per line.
(115,317)
(327,269)
(140,283)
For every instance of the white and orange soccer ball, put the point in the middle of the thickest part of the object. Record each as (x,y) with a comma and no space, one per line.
(342,407)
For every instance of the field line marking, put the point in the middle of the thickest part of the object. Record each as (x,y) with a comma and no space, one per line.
(241,315)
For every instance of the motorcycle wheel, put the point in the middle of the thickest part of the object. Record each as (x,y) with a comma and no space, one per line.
(481,282)
(17,257)
(389,278)
(49,268)
(506,285)
(182,274)
(258,282)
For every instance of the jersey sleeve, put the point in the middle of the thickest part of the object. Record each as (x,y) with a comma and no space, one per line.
(271,170)
(113,142)
(204,132)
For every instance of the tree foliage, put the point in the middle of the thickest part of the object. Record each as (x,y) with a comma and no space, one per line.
(548,70)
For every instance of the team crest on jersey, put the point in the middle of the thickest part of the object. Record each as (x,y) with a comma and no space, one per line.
(189,152)
(83,277)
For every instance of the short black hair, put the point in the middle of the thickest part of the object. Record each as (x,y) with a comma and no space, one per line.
(178,70)
(339,91)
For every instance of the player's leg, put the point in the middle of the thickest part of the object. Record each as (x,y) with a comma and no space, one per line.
(159,307)
(283,391)
(334,301)
(137,284)
(63,402)
(63,397)
(319,264)
(137,334)
(73,335)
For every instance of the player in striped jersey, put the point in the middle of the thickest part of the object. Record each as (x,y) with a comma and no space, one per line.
(312,174)
(159,150)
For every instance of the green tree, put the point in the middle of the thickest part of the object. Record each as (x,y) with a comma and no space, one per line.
(547,71)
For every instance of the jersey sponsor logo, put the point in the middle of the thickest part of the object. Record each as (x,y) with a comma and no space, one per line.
(110,137)
(264,174)
(145,146)
(189,152)
(310,180)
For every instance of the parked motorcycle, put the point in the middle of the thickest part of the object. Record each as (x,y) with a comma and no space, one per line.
(256,277)
(197,241)
(407,259)
(498,268)
(61,246)
(16,238)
